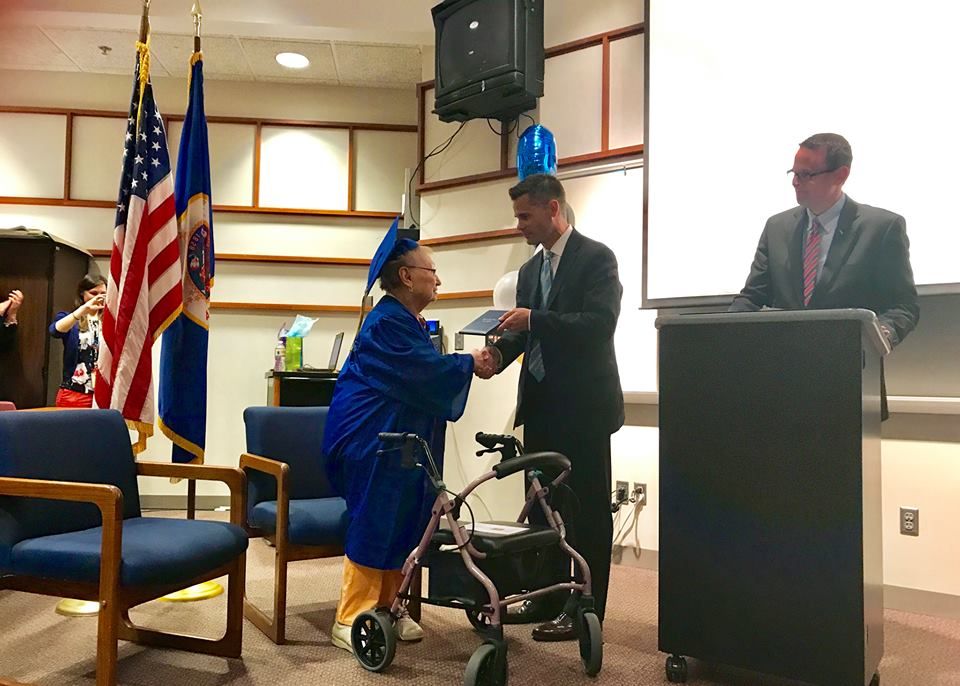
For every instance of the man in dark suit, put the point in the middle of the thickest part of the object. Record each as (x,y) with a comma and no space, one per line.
(569,399)
(831,252)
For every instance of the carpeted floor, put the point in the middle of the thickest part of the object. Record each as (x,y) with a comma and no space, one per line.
(40,647)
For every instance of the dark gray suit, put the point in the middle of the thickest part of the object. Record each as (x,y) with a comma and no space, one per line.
(868,266)
(579,403)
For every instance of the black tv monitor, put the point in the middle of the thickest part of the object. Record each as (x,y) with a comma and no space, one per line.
(489,58)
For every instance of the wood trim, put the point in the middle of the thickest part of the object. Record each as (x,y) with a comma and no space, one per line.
(233,209)
(293,259)
(563,162)
(472,237)
(306,123)
(357,214)
(595,40)
(422,130)
(466,295)
(468,180)
(55,202)
(605,97)
(12,109)
(505,146)
(68,156)
(257,144)
(276,259)
(286,307)
(332,309)
(351,171)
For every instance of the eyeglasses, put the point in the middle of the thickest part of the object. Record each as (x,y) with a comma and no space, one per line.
(802,176)
(413,266)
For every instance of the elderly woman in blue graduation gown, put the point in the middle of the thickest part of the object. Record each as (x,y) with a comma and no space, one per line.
(393,380)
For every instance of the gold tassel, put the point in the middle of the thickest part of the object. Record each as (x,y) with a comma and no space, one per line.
(143,50)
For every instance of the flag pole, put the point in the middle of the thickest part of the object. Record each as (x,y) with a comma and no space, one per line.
(206,589)
(72,607)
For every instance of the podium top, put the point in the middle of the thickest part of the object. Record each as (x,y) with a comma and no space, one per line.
(867,319)
(23,233)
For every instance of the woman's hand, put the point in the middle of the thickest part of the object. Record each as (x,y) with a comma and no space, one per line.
(9,307)
(92,306)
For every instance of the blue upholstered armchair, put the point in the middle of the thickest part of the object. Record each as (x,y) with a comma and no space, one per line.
(71,526)
(290,501)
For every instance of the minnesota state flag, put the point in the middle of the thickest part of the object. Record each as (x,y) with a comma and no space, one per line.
(183,355)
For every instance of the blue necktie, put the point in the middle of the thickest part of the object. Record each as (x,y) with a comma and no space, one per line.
(535,363)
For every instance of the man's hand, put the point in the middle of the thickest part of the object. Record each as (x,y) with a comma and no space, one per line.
(486,362)
(517,319)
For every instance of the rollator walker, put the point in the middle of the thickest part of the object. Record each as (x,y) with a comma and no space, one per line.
(482,567)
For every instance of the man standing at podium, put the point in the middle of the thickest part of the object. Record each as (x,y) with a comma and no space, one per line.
(832,252)
(569,400)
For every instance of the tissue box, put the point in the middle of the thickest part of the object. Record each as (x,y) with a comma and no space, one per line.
(293,354)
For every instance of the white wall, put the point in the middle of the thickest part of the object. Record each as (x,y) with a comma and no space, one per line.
(241,342)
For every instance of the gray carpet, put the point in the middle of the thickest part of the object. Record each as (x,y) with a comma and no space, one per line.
(40,647)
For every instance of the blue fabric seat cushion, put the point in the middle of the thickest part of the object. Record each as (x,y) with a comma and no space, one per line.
(312,521)
(155,551)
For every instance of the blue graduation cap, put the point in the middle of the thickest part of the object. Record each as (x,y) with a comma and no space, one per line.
(391,247)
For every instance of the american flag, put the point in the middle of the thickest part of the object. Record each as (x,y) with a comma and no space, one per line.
(143,287)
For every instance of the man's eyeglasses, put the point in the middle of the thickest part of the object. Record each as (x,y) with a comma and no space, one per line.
(413,266)
(802,176)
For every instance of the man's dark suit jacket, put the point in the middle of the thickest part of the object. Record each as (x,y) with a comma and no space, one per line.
(576,335)
(868,266)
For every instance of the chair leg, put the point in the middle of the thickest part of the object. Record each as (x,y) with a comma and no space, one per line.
(273,628)
(228,645)
(107,636)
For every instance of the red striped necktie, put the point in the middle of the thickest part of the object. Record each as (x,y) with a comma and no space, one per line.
(811,260)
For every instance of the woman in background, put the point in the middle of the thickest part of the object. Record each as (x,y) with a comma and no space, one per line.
(80,332)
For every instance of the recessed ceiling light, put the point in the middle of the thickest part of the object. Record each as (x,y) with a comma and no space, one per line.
(292,60)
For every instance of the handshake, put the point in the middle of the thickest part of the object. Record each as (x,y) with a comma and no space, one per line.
(486,362)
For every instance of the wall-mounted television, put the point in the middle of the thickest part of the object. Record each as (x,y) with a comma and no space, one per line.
(489,58)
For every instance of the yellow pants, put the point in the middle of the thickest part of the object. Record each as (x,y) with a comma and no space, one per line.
(365,588)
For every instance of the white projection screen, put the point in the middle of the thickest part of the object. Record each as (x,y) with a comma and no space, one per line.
(733,87)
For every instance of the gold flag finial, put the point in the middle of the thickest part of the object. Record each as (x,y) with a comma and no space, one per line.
(197,20)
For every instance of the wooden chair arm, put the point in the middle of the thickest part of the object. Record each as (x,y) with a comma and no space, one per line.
(281,472)
(108,498)
(275,468)
(235,480)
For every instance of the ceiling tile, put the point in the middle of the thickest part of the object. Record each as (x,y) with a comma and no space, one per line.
(25,47)
(378,64)
(83,47)
(222,56)
(262,56)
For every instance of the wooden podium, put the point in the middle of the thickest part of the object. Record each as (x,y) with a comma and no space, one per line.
(770,518)
(47,270)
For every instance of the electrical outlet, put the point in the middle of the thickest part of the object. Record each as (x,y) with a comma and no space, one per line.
(458,341)
(910,521)
(623,492)
(640,493)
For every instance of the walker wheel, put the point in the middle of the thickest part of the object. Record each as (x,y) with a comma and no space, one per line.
(478,620)
(373,639)
(591,643)
(484,669)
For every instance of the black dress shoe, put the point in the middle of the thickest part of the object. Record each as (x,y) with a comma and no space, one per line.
(560,629)
(530,611)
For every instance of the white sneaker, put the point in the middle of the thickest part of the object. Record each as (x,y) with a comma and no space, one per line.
(340,636)
(406,629)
